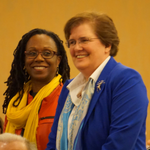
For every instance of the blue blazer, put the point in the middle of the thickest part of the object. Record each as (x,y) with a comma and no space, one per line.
(116,117)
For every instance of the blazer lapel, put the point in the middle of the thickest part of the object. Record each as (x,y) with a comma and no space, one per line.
(99,86)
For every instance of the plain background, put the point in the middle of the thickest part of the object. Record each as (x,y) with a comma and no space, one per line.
(131,17)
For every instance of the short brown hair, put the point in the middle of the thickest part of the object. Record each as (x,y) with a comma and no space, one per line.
(103,27)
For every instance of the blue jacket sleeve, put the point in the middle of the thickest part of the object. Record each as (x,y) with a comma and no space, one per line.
(52,136)
(128,112)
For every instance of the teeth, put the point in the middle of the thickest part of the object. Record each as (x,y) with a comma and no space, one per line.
(81,56)
(39,67)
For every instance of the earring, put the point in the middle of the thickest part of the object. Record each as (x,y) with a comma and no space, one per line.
(57,71)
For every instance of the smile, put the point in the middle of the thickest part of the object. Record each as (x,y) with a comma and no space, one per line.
(79,56)
(39,68)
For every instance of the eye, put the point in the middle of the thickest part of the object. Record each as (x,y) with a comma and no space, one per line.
(84,40)
(32,53)
(47,53)
(71,42)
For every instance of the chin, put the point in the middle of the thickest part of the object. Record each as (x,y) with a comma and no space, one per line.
(82,68)
(41,78)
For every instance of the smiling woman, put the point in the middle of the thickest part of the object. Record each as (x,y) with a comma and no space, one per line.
(39,69)
(43,66)
(107,102)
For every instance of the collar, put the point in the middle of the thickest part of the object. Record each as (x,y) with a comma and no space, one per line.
(79,82)
(98,71)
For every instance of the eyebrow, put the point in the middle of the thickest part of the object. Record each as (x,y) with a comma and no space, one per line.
(48,47)
(36,48)
(80,38)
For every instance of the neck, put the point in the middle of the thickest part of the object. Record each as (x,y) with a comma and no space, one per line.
(36,86)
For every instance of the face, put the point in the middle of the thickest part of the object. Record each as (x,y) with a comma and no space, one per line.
(16,145)
(87,57)
(39,68)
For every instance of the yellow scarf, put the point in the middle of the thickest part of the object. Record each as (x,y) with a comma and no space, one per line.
(26,116)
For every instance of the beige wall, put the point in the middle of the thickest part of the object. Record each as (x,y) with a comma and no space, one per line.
(130,16)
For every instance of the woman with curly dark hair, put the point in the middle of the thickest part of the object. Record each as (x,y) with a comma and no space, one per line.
(39,69)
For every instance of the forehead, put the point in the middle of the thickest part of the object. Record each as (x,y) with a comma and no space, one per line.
(16,145)
(82,30)
(41,40)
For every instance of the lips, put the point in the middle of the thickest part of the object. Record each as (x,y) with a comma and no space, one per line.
(81,56)
(39,67)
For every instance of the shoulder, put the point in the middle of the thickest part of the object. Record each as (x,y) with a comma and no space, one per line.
(116,69)
(65,85)
(64,91)
(122,78)
(121,72)
(118,75)
(67,82)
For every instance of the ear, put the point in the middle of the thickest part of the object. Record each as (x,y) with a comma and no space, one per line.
(108,48)
(58,60)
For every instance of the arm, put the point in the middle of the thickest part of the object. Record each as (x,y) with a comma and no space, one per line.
(128,112)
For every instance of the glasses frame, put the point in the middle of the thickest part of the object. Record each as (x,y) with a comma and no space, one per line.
(79,42)
(53,53)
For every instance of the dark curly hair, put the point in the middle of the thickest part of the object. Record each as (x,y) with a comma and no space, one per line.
(18,75)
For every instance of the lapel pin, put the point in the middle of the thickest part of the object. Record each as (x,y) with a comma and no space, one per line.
(99,85)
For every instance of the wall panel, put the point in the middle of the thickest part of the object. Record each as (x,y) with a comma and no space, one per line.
(131,19)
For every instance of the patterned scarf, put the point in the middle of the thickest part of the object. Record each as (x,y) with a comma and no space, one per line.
(63,142)
(26,116)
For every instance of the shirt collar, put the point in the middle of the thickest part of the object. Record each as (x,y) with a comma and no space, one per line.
(98,71)
(79,82)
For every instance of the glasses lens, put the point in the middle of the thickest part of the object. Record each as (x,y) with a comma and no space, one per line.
(44,54)
(31,54)
(47,54)
(84,40)
(71,43)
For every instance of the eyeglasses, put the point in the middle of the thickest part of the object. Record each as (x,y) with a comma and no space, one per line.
(47,54)
(82,41)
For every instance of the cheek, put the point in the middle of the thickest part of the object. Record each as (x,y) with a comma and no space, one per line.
(52,63)
(28,62)
(72,52)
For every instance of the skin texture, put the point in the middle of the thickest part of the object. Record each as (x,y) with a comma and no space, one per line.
(48,67)
(16,145)
(91,54)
